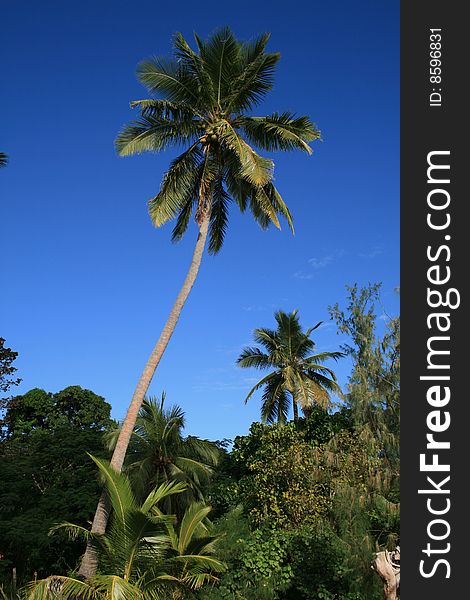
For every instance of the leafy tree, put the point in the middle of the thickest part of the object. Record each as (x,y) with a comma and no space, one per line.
(144,554)
(38,409)
(295,371)
(204,98)
(7,357)
(374,386)
(29,412)
(82,408)
(159,453)
(279,486)
(46,477)
(374,404)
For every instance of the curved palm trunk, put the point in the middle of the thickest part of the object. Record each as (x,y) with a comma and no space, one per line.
(89,561)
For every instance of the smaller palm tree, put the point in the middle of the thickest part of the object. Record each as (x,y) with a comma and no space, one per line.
(159,452)
(145,554)
(297,375)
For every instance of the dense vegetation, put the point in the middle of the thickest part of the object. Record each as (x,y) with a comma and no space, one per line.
(295,509)
(292,510)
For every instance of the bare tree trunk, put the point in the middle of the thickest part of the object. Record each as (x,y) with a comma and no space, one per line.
(389,572)
(89,561)
(296,409)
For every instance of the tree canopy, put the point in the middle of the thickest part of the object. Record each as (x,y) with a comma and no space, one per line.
(44,458)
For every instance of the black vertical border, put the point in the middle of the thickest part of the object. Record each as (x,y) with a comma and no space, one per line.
(425,129)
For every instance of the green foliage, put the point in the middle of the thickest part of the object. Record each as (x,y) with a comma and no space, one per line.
(300,507)
(7,357)
(374,387)
(257,567)
(41,410)
(50,479)
(295,371)
(43,457)
(159,452)
(281,487)
(202,96)
(320,426)
(82,408)
(320,566)
(144,553)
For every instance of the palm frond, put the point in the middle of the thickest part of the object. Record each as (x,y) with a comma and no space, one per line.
(163,491)
(282,131)
(275,403)
(220,56)
(178,187)
(260,384)
(253,357)
(58,587)
(192,519)
(118,487)
(168,78)
(256,76)
(268,338)
(150,133)
(194,65)
(219,217)
(255,169)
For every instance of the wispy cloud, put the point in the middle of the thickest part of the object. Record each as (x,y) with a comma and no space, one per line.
(324,261)
(319,262)
(373,252)
(302,275)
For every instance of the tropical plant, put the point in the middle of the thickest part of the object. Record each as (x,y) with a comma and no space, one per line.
(298,376)
(144,554)
(159,453)
(204,98)
(3,159)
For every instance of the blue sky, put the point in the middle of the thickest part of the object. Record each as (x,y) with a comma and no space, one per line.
(87,281)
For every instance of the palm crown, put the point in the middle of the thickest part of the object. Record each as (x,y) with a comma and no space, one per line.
(296,371)
(204,97)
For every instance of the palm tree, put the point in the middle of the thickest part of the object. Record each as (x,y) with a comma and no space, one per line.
(297,372)
(144,554)
(3,159)
(158,453)
(204,96)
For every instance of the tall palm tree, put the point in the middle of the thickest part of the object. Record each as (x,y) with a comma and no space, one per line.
(3,159)
(144,554)
(295,371)
(204,96)
(159,452)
